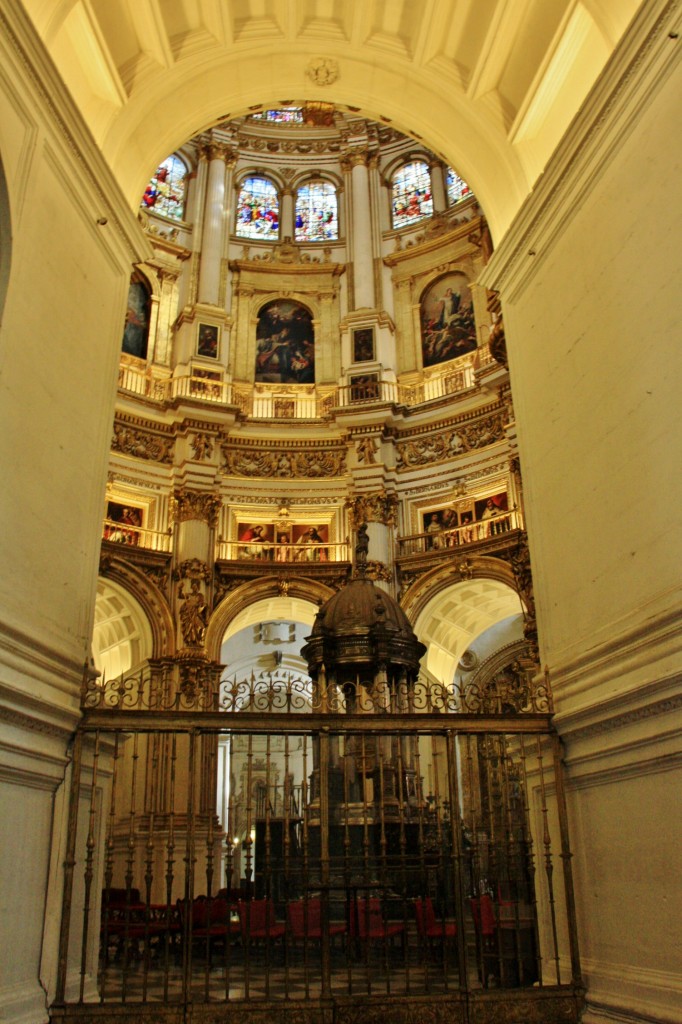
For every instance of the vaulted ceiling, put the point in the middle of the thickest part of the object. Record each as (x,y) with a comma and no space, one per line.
(490,85)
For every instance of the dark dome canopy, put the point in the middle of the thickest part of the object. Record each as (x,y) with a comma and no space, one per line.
(362,626)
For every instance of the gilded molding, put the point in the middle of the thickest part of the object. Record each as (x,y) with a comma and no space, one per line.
(199,505)
(284,462)
(373,508)
(141,444)
(437,447)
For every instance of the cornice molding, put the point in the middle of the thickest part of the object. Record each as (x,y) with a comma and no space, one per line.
(638,67)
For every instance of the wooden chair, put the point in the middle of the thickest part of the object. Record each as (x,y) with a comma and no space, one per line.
(304,921)
(433,931)
(258,923)
(367,923)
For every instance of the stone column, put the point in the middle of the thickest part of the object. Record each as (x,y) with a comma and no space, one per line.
(440,201)
(286,220)
(213,226)
(363,260)
(379,510)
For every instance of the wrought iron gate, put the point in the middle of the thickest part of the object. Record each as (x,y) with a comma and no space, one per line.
(283,853)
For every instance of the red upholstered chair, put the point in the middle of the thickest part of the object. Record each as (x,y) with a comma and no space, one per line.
(304,919)
(428,925)
(367,922)
(209,922)
(258,923)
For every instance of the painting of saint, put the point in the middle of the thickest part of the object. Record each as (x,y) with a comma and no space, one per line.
(363,345)
(309,543)
(285,344)
(255,540)
(364,387)
(123,523)
(447,320)
(491,515)
(207,340)
(136,327)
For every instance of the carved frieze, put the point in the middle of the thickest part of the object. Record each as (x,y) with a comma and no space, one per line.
(373,508)
(296,463)
(200,505)
(142,444)
(460,438)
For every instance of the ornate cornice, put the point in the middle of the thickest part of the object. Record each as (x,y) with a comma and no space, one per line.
(293,461)
(142,442)
(440,445)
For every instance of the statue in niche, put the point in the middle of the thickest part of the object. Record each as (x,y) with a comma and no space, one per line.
(193,615)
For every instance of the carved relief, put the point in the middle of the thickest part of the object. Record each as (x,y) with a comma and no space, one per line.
(200,505)
(192,569)
(193,610)
(366,450)
(446,443)
(373,508)
(322,70)
(315,462)
(523,577)
(141,444)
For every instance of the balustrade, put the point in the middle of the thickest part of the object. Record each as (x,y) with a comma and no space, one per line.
(468,533)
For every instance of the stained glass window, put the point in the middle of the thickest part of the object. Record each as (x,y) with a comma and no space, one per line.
(285,115)
(316,213)
(457,188)
(165,193)
(258,209)
(411,200)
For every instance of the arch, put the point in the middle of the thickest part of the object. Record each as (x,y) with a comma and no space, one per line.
(152,600)
(418,595)
(252,592)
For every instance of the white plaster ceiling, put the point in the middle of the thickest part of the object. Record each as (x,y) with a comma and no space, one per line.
(453,619)
(122,637)
(490,85)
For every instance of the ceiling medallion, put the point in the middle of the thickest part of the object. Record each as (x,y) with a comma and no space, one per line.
(323,70)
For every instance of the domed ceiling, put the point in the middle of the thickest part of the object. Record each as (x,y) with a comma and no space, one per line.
(489,85)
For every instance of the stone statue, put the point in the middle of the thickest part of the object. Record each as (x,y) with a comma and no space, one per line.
(193,615)
(362,545)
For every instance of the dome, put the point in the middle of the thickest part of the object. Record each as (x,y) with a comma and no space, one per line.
(362,626)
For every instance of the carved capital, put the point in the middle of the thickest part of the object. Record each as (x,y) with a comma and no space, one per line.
(373,508)
(199,505)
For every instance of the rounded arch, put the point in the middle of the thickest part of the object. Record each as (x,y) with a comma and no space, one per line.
(252,593)
(122,634)
(151,599)
(428,586)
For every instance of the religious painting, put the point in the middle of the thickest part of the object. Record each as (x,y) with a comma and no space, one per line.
(285,344)
(256,540)
(207,340)
(123,523)
(283,549)
(490,514)
(364,387)
(136,327)
(308,543)
(363,345)
(436,524)
(447,320)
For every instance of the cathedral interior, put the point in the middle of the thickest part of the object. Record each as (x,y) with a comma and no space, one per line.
(339,647)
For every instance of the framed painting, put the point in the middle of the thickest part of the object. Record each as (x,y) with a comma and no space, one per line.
(448,326)
(363,345)
(308,543)
(207,340)
(285,344)
(256,540)
(364,387)
(136,327)
(490,514)
(436,524)
(123,523)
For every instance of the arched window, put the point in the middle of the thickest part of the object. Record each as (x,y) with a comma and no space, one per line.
(283,115)
(457,188)
(165,193)
(136,327)
(316,213)
(411,194)
(257,209)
